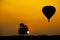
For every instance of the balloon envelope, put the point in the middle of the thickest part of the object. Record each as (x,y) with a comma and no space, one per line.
(48,11)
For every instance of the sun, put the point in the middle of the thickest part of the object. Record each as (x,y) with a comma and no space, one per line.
(28,32)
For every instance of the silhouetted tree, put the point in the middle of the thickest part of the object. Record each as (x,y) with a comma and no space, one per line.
(23,29)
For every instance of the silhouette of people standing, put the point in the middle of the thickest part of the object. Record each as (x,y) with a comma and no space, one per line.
(23,29)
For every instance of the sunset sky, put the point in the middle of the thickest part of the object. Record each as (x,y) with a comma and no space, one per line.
(29,12)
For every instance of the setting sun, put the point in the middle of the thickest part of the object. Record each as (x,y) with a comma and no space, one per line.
(28,32)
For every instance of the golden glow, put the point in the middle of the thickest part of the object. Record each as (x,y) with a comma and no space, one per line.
(28,32)
(13,12)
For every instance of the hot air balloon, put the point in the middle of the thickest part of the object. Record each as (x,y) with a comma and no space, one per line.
(48,11)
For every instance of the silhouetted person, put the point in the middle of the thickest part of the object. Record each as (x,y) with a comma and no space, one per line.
(23,29)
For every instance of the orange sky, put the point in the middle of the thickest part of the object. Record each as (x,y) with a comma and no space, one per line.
(13,12)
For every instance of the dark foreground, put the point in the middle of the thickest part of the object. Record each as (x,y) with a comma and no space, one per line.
(31,37)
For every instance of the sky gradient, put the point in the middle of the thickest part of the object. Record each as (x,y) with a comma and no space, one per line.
(13,12)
